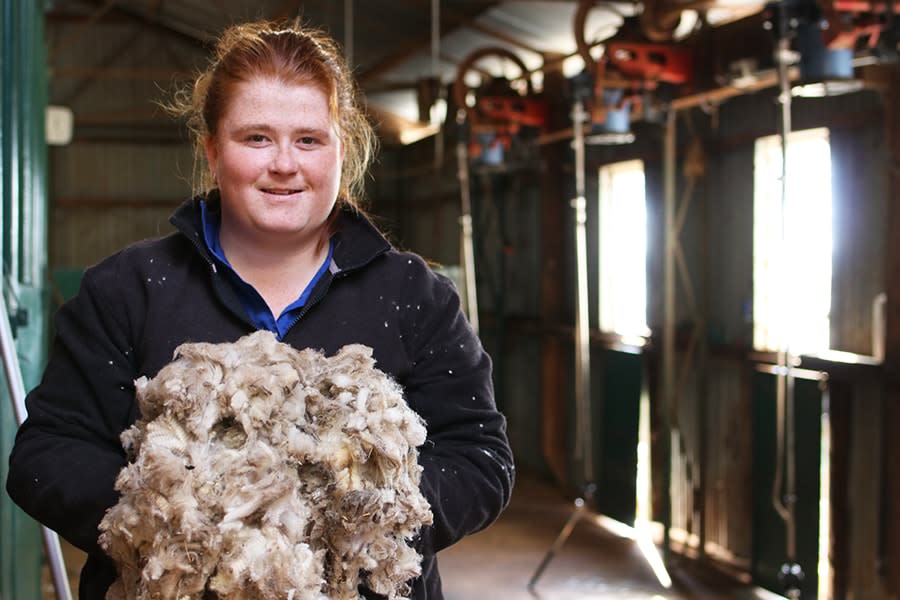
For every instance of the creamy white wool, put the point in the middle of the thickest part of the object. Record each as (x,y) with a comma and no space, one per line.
(260,472)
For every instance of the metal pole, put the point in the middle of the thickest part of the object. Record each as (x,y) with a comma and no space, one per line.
(785,382)
(465,222)
(583,430)
(667,394)
(784,500)
(436,74)
(17,393)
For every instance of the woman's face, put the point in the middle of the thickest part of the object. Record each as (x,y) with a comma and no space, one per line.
(277,159)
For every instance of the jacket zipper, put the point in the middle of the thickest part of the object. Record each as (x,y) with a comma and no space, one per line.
(315,299)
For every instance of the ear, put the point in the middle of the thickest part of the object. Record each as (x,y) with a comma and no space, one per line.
(212,153)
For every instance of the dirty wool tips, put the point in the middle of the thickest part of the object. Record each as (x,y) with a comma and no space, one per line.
(258,472)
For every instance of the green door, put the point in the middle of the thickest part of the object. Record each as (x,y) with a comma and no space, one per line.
(23,242)
(769,529)
(616,384)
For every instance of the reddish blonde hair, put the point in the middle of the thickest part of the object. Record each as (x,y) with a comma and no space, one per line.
(292,53)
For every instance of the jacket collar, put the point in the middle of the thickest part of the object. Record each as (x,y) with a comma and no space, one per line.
(357,241)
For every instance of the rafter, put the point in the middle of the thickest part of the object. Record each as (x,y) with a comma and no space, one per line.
(108,60)
(84,27)
(153,20)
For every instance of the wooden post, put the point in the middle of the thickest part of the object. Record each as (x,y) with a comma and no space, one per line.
(555,379)
(891,497)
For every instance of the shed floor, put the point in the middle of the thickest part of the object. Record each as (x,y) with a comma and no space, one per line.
(592,563)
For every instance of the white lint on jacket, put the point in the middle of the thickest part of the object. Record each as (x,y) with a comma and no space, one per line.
(263,472)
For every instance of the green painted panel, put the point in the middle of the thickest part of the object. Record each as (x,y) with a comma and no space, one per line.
(616,379)
(66,282)
(23,252)
(20,536)
(769,531)
(620,391)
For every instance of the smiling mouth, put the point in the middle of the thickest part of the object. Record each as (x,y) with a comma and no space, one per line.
(281,192)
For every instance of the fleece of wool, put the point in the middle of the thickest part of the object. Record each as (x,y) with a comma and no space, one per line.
(261,472)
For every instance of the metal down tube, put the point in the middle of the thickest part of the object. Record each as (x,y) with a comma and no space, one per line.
(667,394)
(583,446)
(583,429)
(465,222)
(436,73)
(784,484)
(17,393)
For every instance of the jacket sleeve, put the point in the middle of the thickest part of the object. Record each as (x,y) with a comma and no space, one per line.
(468,470)
(67,453)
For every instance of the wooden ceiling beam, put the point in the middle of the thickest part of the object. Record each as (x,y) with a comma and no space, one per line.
(61,17)
(185,34)
(107,61)
(119,73)
(118,117)
(83,28)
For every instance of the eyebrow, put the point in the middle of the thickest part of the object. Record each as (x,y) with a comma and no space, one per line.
(262,127)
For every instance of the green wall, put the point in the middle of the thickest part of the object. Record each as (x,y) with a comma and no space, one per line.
(23,208)
(769,531)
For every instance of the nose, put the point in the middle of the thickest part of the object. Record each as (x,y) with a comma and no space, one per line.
(286,159)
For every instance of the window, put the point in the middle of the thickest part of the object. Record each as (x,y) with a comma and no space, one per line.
(623,249)
(792,244)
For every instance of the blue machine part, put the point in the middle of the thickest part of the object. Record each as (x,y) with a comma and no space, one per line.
(618,113)
(817,62)
(492,150)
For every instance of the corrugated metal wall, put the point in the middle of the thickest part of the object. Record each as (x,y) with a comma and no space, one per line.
(420,207)
(861,169)
(118,80)
(107,195)
(129,164)
(711,484)
(864,491)
(716,405)
(727,487)
(24,240)
(714,497)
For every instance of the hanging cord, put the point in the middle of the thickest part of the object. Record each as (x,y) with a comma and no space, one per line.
(435,73)
(348,33)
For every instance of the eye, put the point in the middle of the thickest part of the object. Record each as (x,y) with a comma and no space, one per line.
(308,140)
(256,138)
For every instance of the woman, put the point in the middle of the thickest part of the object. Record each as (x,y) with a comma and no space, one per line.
(276,242)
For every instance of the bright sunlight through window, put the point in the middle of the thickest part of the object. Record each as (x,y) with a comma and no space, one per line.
(623,249)
(792,272)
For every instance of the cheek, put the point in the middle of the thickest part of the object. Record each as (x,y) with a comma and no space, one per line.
(330,168)
(240,166)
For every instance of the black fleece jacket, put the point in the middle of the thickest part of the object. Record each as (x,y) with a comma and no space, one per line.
(134,308)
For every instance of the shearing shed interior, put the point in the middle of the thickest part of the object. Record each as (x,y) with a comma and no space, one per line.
(672,223)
